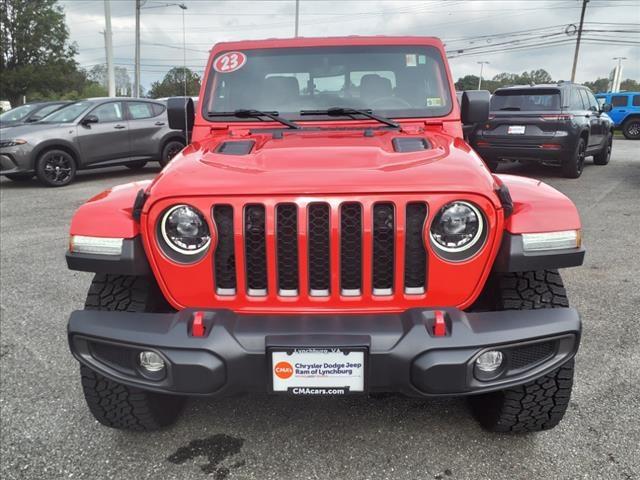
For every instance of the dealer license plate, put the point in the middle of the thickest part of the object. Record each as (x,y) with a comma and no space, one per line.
(318,371)
(516,130)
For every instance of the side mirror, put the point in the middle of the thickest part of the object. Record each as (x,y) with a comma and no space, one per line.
(89,119)
(181,115)
(474,107)
(606,107)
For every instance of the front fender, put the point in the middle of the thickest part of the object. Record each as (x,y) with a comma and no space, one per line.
(109,214)
(538,207)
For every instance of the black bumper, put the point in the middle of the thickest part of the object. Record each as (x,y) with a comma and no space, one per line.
(402,355)
(529,149)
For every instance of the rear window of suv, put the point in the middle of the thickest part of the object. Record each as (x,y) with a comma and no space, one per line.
(526,100)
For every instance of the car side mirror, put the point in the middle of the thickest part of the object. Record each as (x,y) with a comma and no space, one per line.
(181,114)
(474,107)
(89,119)
(606,107)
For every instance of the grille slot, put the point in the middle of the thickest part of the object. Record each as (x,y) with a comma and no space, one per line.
(255,249)
(351,249)
(225,258)
(318,226)
(530,354)
(287,249)
(415,256)
(384,233)
(120,358)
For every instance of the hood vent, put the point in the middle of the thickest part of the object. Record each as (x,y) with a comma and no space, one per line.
(410,144)
(236,147)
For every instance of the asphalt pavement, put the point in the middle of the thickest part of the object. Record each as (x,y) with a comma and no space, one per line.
(47,431)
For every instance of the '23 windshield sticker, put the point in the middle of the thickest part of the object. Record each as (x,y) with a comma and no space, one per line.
(229,62)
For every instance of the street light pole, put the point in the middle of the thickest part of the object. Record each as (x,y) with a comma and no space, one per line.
(136,87)
(297,15)
(617,75)
(482,64)
(575,55)
(111,77)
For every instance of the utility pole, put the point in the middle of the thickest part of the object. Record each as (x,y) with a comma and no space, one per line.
(297,15)
(482,64)
(111,77)
(575,55)
(136,82)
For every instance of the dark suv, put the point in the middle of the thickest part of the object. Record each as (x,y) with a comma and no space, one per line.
(552,124)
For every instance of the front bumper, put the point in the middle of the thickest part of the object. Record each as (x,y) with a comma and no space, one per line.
(402,353)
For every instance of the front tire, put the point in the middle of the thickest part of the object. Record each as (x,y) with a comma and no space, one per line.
(573,165)
(603,157)
(55,168)
(113,404)
(541,403)
(631,129)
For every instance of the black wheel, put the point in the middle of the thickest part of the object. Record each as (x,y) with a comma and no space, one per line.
(603,157)
(136,165)
(631,129)
(170,150)
(572,165)
(111,403)
(56,168)
(541,403)
(19,177)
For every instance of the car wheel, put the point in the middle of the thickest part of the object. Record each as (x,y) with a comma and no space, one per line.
(170,150)
(539,404)
(572,166)
(631,129)
(136,165)
(603,157)
(56,168)
(19,177)
(112,403)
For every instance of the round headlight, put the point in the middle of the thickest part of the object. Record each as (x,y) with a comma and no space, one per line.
(456,229)
(185,230)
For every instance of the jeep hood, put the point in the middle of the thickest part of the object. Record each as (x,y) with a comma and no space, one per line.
(321,162)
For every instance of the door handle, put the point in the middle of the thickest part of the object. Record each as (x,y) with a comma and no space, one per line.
(159,124)
(119,127)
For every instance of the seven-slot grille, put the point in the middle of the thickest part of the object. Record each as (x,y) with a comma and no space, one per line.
(322,249)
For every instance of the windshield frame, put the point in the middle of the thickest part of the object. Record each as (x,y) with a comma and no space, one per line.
(398,114)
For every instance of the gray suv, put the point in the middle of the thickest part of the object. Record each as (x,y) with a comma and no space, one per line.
(89,134)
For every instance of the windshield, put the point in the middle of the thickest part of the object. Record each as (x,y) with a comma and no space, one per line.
(44,111)
(393,81)
(18,114)
(68,113)
(529,100)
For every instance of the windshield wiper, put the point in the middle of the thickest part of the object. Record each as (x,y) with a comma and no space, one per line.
(247,113)
(349,112)
(512,109)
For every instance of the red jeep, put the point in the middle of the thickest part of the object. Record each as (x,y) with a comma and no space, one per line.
(327,232)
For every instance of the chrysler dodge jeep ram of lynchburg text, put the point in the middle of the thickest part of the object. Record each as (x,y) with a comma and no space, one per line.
(327,231)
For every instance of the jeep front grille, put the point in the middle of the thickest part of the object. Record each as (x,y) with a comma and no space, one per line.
(321,249)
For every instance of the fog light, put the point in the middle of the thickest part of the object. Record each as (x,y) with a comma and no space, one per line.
(489,362)
(151,361)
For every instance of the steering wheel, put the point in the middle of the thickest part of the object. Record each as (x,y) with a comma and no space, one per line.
(390,102)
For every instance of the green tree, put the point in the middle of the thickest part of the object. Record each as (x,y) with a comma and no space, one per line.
(173,84)
(630,85)
(599,85)
(468,82)
(98,74)
(36,55)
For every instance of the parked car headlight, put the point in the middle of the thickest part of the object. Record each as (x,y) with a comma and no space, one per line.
(185,230)
(12,143)
(458,231)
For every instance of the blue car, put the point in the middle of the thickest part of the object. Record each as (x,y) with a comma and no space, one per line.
(625,111)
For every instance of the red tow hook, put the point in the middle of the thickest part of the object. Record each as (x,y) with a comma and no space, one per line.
(439,324)
(197,326)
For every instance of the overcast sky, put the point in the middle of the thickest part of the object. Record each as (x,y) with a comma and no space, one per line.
(612,29)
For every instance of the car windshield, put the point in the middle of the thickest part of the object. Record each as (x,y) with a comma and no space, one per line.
(529,100)
(68,113)
(44,111)
(19,113)
(392,81)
